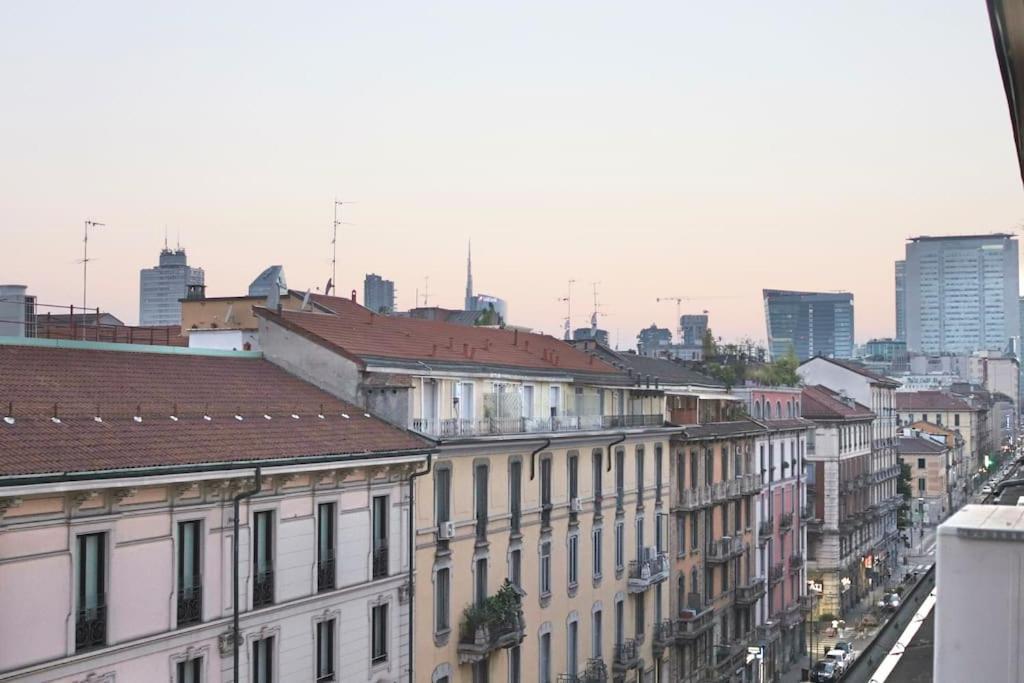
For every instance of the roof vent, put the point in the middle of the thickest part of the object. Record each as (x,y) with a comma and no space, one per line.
(97,418)
(8,419)
(207,418)
(174,418)
(238,417)
(266,416)
(294,416)
(366,415)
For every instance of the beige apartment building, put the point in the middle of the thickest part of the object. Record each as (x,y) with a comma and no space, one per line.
(930,462)
(950,411)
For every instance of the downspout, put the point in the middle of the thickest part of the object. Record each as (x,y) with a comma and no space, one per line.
(622,437)
(412,548)
(533,457)
(236,636)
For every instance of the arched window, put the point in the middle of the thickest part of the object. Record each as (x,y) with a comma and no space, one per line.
(778,409)
(757,409)
(768,410)
(694,586)
(682,592)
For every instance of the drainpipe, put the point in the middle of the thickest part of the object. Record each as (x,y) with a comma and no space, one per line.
(412,549)
(236,636)
(533,457)
(622,437)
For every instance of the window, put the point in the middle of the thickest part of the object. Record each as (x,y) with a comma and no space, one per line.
(736,517)
(263,660)
(480,488)
(574,560)
(598,466)
(639,539)
(680,470)
(693,468)
(325,574)
(515,566)
(574,474)
(545,658)
(596,538)
(620,621)
(190,582)
(938,418)
(380,537)
(659,532)
(481,672)
(325,651)
(189,671)
(920,463)
(724,461)
(442,600)
(379,634)
(515,478)
(545,568)
(681,581)
(573,647)
(442,494)
(657,473)
(956,419)
(638,614)
(555,400)
(528,393)
(693,530)
(640,476)
(545,492)
(620,546)
(263,559)
(620,477)
(91,623)
(920,485)
(480,580)
(515,665)
(595,636)
(465,405)
(681,531)
(709,466)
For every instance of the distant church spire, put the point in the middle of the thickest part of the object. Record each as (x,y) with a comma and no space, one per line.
(469,277)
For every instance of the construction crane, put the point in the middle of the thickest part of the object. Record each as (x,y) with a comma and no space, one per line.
(679,313)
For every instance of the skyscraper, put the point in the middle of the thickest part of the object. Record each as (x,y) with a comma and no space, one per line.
(470,302)
(961,293)
(809,323)
(162,288)
(378,294)
(901,302)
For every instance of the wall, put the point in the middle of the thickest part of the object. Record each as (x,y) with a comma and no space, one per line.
(312,362)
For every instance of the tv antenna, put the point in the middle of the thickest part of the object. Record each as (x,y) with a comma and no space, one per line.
(679,313)
(332,284)
(85,263)
(568,313)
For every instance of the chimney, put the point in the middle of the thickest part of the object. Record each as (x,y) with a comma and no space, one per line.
(515,337)
(451,342)
(353,296)
(433,350)
(465,350)
(526,344)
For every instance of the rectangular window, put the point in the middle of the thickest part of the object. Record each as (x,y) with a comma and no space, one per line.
(598,468)
(481,672)
(574,560)
(480,488)
(480,581)
(639,476)
(659,532)
(638,614)
(325,573)
(325,651)
(680,470)
(380,537)
(956,419)
(693,530)
(920,463)
(263,660)
(920,485)
(190,578)
(545,658)
(545,492)
(657,473)
(693,468)
(736,517)
(620,622)
(515,477)
(573,647)
(379,634)
(596,537)
(189,671)
(620,477)
(528,401)
(263,558)
(91,624)
(681,530)
(574,473)
(442,600)
(442,494)
(595,645)
(515,561)
(467,404)
(639,539)
(545,568)
(555,403)
(620,546)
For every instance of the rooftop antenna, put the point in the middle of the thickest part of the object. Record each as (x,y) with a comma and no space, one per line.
(426,292)
(332,283)
(679,314)
(85,265)
(597,312)
(568,314)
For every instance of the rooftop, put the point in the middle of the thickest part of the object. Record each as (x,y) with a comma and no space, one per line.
(714,430)
(82,407)
(821,403)
(937,238)
(857,368)
(661,369)
(930,400)
(915,444)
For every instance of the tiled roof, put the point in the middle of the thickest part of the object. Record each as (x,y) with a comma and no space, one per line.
(915,444)
(786,424)
(930,400)
(818,402)
(358,332)
(859,369)
(666,371)
(78,384)
(715,430)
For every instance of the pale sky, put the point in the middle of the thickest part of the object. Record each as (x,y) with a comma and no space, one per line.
(661,149)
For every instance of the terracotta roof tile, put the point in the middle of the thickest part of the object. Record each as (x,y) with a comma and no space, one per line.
(79,384)
(821,403)
(930,400)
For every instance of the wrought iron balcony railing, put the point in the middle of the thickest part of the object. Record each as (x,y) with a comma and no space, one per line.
(496,624)
(380,562)
(190,602)
(595,671)
(626,656)
(786,521)
(751,591)
(91,627)
(646,573)
(725,549)
(693,499)
(263,588)
(325,573)
(491,426)
(776,572)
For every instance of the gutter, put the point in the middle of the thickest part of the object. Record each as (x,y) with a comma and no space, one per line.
(412,555)
(236,637)
(622,437)
(533,457)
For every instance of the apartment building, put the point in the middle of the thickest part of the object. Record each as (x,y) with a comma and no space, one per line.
(956,468)
(930,461)
(171,514)
(881,472)
(964,416)
(540,535)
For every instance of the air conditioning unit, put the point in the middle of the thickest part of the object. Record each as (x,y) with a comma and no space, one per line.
(575,505)
(445,531)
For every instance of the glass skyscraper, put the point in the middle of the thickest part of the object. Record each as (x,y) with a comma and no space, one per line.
(161,289)
(809,323)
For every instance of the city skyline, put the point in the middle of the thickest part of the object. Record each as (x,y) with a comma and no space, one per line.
(633,188)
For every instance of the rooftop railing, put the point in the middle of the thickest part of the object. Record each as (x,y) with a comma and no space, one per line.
(450,428)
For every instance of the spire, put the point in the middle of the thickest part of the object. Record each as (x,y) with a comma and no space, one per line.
(469,277)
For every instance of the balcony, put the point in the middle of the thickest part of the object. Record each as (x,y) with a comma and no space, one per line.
(786,521)
(796,562)
(662,637)
(452,428)
(806,603)
(767,632)
(496,623)
(689,500)
(594,672)
(734,488)
(750,592)
(625,657)
(776,572)
(730,656)
(791,616)
(750,483)
(766,529)
(719,491)
(190,603)
(263,589)
(91,627)
(325,573)
(725,549)
(692,622)
(646,573)
(380,562)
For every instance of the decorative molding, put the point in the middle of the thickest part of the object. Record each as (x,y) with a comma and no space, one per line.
(282,480)
(405,592)
(76,499)
(179,490)
(93,677)
(119,495)
(8,503)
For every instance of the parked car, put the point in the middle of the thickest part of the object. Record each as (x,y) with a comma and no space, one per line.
(847,647)
(987,489)
(890,602)
(824,671)
(838,657)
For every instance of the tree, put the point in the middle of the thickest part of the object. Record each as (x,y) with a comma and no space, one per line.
(709,347)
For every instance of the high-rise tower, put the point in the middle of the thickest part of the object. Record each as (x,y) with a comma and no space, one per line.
(470,299)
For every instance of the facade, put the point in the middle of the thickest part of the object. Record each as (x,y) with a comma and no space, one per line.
(930,462)
(117,527)
(956,474)
(378,294)
(901,301)
(162,288)
(962,293)
(654,341)
(809,323)
(866,518)
(17,311)
(954,412)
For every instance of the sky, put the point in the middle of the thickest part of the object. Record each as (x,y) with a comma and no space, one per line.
(659,149)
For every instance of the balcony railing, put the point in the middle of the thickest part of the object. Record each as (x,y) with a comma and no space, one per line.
(750,483)
(91,627)
(729,655)
(263,588)
(692,621)
(786,521)
(594,672)
(646,573)
(626,656)
(768,632)
(751,591)
(796,562)
(766,528)
(495,624)
(806,603)
(190,603)
(724,549)
(380,562)
(491,426)
(325,573)
(693,499)
(719,491)
(776,572)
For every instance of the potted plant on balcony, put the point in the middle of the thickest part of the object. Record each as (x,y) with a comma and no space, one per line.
(498,615)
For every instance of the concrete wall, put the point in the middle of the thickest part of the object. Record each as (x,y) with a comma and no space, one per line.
(314,363)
